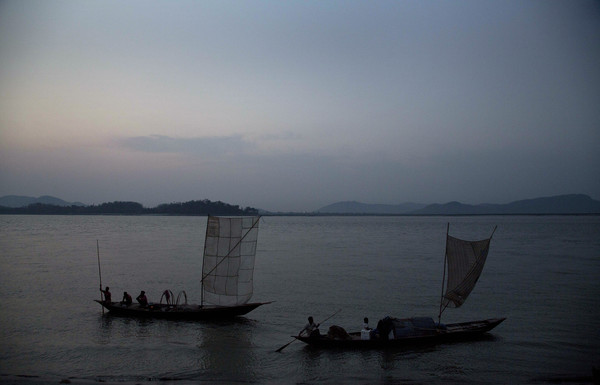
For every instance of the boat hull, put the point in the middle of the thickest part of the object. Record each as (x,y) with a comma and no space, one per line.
(453,332)
(194,312)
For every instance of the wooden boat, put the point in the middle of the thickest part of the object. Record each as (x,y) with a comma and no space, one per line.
(463,264)
(448,333)
(189,312)
(227,276)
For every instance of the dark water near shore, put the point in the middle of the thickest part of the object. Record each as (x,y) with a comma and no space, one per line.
(543,273)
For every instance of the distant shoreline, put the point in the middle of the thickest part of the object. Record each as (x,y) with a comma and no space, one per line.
(570,204)
(320,215)
(198,208)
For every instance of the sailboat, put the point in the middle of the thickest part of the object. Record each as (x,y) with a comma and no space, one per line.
(463,264)
(227,276)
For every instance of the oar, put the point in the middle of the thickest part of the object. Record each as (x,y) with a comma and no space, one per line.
(319,324)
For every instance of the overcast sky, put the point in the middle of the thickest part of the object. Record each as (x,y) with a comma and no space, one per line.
(293,105)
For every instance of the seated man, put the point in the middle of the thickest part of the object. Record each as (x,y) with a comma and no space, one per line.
(311,329)
(126,299)
(142,300)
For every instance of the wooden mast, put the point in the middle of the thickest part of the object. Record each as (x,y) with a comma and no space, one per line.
(99,272)
(203,252)
(444,275)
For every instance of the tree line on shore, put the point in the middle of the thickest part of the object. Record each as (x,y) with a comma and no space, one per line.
(201,207)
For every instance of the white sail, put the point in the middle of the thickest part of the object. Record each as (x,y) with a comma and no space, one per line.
(228,266)
(465,260)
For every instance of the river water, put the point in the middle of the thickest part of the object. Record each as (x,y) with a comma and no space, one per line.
(542,273)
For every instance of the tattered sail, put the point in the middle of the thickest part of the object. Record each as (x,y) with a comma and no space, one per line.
(465,260)
(228,267)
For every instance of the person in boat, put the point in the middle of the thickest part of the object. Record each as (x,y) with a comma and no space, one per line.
(126,299)
(366,333)
(311,329)
(383,329)
(107,296)
(366,324)
(142,300)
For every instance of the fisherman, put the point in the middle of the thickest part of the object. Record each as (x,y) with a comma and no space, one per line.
(366,331)
(142,300)
(384,327)
(126,299)
(366,324)
(311,329)
(107,297)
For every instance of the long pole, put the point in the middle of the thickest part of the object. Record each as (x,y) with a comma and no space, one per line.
(444,275)
(99,272)
(203,252)
(493,231)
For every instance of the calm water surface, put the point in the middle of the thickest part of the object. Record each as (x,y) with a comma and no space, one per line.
(542,273)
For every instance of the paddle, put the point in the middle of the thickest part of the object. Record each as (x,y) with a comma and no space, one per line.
(286,345)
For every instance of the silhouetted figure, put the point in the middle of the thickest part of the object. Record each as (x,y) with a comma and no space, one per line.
(142,300)
(366,324)
(311,329)
(107,296)
(126,299)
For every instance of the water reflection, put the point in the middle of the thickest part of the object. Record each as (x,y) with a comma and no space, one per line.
(110,326)
(226,351)
(104,330)
(413,364)
(312,357)
(168,350)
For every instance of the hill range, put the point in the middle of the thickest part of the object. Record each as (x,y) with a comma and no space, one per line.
(15,201)
(560,204)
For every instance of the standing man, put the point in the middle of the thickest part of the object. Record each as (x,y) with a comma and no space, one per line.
(107,296)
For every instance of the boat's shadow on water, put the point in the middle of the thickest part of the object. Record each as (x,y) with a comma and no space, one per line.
(418,364)
(413,348)
(209,350)
(110,326)
(107,319)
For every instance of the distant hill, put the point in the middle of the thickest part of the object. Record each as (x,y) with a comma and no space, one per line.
(54,206)
(352,207)
(24,201)
(561,204)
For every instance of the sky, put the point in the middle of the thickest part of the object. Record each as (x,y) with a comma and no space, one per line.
(294,105)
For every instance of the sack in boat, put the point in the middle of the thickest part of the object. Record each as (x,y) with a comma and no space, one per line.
(338,333)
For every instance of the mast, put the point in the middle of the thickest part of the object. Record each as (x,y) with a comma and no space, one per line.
(493,231)
(99,272)
(202,279)
(444,274)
